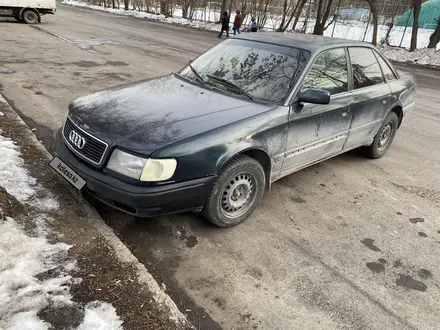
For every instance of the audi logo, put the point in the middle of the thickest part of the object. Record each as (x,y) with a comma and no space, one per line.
(76,139)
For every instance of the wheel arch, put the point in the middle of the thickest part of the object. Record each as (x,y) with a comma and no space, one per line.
(20,15)
(260,155)
(398,110)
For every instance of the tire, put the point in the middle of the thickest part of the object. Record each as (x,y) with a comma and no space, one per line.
(384,137)
(30,17)
(236,192)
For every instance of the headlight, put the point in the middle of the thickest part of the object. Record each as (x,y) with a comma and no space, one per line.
(158,169)
(141,168)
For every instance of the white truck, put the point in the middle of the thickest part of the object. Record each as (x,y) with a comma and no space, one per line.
(28,11)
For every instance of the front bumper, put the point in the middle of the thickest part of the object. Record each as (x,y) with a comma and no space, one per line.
(141,201)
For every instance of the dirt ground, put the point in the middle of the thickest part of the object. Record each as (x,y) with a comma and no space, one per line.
(350,243)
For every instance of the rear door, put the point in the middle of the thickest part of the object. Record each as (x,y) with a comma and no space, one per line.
(372,97)
(318,131)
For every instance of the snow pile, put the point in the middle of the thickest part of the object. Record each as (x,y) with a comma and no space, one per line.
(17,181)
(33,276)
(100,316)
(419,56)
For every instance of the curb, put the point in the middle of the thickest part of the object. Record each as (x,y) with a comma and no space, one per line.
(122,253)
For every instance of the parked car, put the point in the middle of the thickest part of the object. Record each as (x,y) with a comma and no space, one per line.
(213,137)
(28,11)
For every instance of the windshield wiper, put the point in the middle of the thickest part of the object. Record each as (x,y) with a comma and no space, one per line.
(230,84)
(198,76)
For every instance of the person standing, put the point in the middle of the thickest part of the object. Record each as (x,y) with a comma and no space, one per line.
(237,22)
(254,27)
(225,25)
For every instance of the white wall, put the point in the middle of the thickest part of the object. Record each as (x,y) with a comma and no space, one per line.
(50,4)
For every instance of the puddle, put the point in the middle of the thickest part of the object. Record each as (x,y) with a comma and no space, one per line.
(410,283)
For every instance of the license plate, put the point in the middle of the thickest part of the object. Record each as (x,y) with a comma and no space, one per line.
(67,173)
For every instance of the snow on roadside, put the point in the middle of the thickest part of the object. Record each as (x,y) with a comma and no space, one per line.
(422,56)
(35,272)
(141,14)
(16,180)
(25,291)
(22,294)
(100,316)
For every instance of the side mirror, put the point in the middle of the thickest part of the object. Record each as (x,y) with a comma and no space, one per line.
(314,96)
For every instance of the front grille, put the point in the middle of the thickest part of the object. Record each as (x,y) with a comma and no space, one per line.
(92,150)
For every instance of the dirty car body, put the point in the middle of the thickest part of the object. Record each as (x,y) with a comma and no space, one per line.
(270,103)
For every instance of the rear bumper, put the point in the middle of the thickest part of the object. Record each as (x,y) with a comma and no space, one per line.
(141,201)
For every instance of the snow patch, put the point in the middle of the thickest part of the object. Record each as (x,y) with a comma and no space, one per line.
(1,114)
(17,181)
(33,276)
(22,259)
(100,316)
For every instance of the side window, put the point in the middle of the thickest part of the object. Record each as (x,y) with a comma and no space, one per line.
(329,72)
(366,70)
(387,72)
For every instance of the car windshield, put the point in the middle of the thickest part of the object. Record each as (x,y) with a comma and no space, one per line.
(257,70)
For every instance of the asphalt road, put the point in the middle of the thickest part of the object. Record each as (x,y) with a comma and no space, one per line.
(350,243)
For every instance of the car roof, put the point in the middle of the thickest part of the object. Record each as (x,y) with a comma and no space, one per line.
(310,42)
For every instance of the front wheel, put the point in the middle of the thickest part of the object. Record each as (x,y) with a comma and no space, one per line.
(384,137)
(236,192)
(30,17)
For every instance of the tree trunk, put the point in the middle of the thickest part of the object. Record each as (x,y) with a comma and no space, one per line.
(415,29)
(321,21)
(434,39)
(283,18)
(298,8)
(298,14)
(373,8)
(126,3)
(185,8)
(391,24)
(223,8)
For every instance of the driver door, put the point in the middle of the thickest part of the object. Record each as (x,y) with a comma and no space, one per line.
(318,131)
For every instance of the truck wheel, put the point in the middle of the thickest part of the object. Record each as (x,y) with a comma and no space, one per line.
(30,17)
(236,192)
(384,137)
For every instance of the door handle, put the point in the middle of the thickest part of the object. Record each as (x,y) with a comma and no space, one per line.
(384,101)
(345,112)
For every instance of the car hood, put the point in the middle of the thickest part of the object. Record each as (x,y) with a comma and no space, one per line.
(151,114)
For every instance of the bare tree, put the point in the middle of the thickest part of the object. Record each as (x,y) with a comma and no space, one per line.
(290,11)
(417,6)
(374,13)
(434,39)
(322,15)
